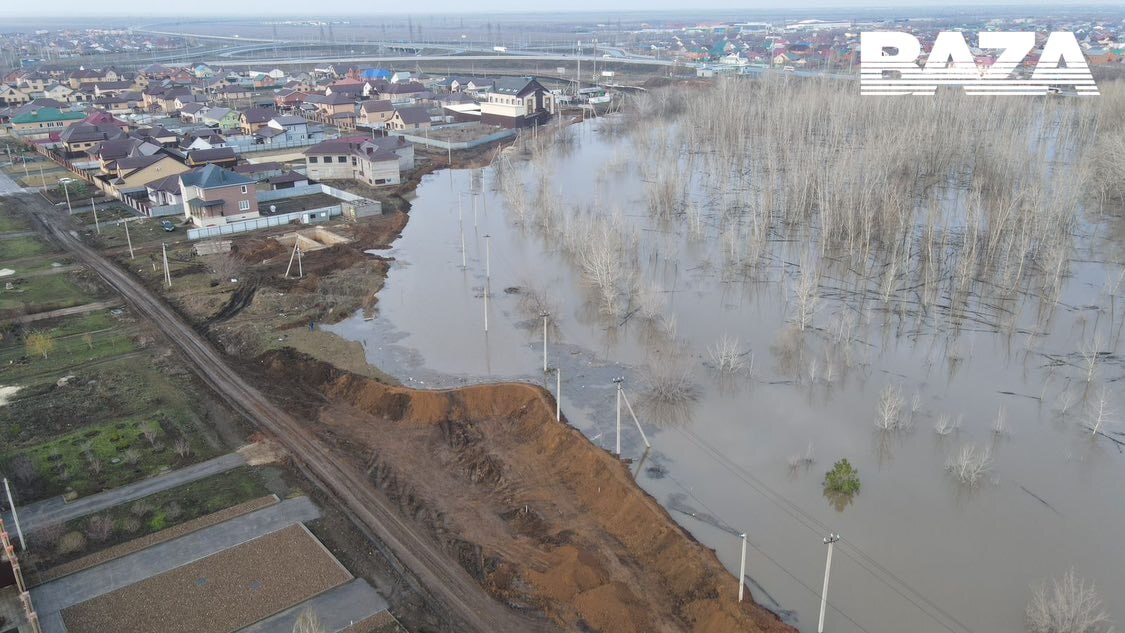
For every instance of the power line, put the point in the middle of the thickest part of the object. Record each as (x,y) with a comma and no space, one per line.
(728,527)
(815,526)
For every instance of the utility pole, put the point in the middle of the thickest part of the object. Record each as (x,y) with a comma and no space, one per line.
(128,239)
(97,226)
(487,260)
(292,256)
(632,413)
(558,394)
(300,266)
(66,191)
(15,517)
(829,540)
(618,381)
(167,273)
(545,314)
(742,569)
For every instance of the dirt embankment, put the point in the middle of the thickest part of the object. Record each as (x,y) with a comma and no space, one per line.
(542,518)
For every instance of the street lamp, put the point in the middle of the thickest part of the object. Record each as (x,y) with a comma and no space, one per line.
(65,182)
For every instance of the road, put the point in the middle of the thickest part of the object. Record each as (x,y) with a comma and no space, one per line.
(449,587)
(55,510)
(8,186)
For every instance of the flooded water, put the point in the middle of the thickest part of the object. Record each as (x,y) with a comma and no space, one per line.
(920,551)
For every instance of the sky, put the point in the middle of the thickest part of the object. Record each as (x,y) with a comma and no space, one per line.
(142,9)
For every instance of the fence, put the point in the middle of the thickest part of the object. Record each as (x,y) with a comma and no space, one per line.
(304,217)
(448,145)
(307,190)
(249,148)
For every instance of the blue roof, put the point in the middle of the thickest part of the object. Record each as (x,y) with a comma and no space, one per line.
(376,73)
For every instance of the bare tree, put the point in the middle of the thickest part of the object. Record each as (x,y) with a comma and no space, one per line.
(308,622)
(1090,355)
(727,355)
(1100,413)
(888,415)
(182,447)
(970,464)
(150,435)
(946,424)
(1067,605)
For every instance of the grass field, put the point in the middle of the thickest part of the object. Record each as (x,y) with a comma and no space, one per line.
(11,222)
(17,247)
(40,294)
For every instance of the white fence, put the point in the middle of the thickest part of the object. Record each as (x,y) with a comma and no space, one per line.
(304,217)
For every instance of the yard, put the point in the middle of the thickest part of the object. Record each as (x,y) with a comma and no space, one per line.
(41,293)
(19,247)
(147,516)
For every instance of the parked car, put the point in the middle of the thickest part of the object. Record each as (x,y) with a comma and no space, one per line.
(167,225)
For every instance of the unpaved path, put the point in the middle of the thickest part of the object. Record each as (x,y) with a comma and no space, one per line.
(458,594)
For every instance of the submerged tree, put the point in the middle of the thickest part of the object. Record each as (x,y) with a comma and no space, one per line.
(1067,605)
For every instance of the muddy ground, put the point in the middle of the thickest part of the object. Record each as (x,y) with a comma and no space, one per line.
(543,519)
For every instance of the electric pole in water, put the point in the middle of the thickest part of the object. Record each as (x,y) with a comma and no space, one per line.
(545,314)
(829,540)
(742,569)
(618,381)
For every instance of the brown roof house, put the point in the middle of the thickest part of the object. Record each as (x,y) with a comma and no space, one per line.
(411,118)
(375,113)
(374,162)
(214,196)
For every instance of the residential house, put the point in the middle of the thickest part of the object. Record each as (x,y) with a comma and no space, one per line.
(158,135)
(80,137)
(224,119)
(112,87)
(193,112)
(328,106)
(401,93)
(164,191)
(374,162)
(286,128)
(213,196)
(221,156)
(374,114)
(517,102)
(201,140)
(11,96)
(251,119)
(410,118)
(39,123)
(134,173)
(233,93)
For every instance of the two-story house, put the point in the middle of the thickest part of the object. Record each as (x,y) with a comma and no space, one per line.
(516,103)
(373,162)
(213,196)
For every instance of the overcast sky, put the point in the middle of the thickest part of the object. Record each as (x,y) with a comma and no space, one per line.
(303,8)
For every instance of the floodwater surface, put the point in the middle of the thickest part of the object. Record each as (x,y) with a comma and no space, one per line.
(746,451)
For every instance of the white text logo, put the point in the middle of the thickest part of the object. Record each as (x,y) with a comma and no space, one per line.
(889,64)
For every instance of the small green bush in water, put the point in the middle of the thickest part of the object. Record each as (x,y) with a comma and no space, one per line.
(842,479)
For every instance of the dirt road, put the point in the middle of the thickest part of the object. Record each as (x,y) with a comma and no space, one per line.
(458,594)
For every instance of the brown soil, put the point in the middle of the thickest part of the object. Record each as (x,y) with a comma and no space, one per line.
(541,517)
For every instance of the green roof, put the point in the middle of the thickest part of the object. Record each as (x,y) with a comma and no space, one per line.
(47,114)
